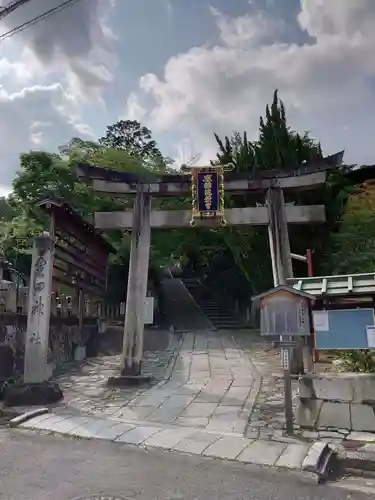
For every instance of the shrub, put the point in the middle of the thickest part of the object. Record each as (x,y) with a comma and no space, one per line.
(359,361)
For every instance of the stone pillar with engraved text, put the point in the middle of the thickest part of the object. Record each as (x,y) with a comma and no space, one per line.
(38,319)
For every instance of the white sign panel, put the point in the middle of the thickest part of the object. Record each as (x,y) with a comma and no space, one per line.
(321,321)
(285,355)
(149,311)
(370,330)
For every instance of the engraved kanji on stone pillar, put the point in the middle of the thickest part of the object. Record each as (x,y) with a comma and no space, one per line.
(38,318)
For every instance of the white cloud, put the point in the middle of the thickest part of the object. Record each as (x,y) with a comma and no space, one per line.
(133,110)
(326,82)
(48,73)
(75,43)
(37,115)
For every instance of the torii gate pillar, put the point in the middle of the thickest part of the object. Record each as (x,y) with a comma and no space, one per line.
(132,350)
(281,257)
(278,236)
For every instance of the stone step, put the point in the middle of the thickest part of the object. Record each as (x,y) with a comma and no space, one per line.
(218,314)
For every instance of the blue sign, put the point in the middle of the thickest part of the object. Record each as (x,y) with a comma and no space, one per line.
(342,328)
(208,197)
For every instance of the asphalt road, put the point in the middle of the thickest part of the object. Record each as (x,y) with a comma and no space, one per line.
(40,467)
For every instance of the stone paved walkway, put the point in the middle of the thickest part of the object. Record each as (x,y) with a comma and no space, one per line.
(215,393)
(85,387)
(211,384)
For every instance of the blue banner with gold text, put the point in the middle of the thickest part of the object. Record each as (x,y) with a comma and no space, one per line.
(208,196)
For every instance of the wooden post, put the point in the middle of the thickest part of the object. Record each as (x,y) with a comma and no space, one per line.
(288,401)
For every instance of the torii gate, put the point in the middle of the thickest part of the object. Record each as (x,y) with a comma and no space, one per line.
(275,214)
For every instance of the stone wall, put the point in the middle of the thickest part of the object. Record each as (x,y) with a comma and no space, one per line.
(64,338)
(341,401)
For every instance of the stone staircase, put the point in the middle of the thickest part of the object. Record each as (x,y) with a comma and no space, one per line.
(181,307)
(219,313)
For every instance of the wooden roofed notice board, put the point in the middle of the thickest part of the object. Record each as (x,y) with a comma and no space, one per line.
(284,311)
(81,255)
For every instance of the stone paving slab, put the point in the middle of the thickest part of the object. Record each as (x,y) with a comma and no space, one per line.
(190,446)
(67,425)
(111,432)
(293,455)
(227,447)
(138,435)
(167,438)
(262,453)
(90,428)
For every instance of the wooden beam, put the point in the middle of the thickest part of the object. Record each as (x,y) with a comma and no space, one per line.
(68,258)
(254,216)
(165,189)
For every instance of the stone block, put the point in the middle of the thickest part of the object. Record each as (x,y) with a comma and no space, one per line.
(334,415)
(365,437)
(90,428)
(293,456)
(262,452)
(362,418)
(311,461)
(138,434)
(110,432)
(227,447)
(333,388)
(46,424)
(167,438)
(191,446)
(307,413)
(68,424)
(32,422)
(305,388)
(363,387)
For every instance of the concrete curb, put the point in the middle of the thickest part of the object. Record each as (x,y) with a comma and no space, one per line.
(363,460)
(16,421)
(320,460)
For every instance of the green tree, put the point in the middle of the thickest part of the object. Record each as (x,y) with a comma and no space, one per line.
(6,211)
(277,147)
(134,138)
(353,243)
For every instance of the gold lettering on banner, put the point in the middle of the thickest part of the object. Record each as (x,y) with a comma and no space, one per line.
(207,186)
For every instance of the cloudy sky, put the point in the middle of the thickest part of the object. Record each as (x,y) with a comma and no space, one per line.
(186,68)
